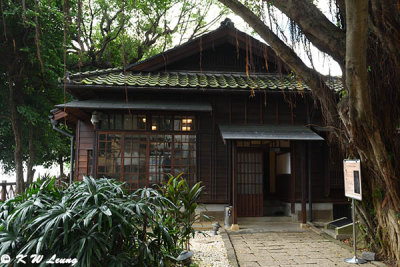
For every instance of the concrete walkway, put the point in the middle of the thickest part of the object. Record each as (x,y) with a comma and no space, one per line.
(286,244)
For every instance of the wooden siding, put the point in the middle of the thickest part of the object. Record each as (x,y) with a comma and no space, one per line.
(224,58)
(84,143)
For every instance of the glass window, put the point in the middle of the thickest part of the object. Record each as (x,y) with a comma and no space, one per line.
(118,121)
(128,122)
(160,158)
(184,123)
(161,123)
(109,156)
(123,122)
(144,159)
(283,163)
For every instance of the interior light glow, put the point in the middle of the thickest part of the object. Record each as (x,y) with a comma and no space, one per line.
(186,120)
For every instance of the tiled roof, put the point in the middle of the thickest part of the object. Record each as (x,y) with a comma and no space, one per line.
(209,80)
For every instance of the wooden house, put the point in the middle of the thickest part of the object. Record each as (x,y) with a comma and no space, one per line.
(222,109)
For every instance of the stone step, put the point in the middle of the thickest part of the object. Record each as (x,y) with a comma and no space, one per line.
(249,220)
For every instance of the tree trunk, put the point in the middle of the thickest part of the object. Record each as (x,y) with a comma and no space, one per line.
(364,125)
(31,160)
(17,130)
(61,164)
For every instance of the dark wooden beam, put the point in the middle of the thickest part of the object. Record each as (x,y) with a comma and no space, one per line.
(77,146)
(303,185)
(60,115)
(230,109)
(261,110)
(245,110)
(79,114)
(234,182)
(293,170)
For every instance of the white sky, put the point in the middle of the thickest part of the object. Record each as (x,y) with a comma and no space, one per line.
(40,171)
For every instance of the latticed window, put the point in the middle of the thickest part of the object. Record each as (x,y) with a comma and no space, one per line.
(146,153)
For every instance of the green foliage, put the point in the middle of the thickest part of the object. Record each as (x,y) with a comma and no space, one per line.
(343,93)
(140,29)
(182,213)
(35,88)
(98,223)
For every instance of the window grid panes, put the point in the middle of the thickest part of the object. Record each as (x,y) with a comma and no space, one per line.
(109,155)
(143,159)
(123,122)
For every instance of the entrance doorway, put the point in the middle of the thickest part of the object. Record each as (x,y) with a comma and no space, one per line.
(263,179)
(250,176)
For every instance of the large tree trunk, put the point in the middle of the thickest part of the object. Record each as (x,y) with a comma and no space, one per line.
(364,124)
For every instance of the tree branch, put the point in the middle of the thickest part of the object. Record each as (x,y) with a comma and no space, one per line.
(315,25)
(311,77)
(5,117)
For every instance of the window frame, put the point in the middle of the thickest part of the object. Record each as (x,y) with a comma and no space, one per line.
(148,132)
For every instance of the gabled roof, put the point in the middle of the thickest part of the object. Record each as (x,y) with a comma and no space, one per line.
(226,33)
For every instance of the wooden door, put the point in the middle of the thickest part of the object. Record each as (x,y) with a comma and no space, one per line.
(250,172)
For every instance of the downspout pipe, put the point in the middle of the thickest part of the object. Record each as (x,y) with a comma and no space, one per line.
(54,124)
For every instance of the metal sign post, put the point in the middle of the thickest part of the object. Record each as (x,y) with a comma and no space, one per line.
(352,189)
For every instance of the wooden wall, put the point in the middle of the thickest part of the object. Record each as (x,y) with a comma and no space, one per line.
(213,161)
(224,57)
(84,144)
(213,168)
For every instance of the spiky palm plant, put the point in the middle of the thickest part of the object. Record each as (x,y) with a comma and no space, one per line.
(98,223)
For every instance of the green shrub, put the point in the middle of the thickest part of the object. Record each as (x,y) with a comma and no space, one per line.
(182,213)
(98,223)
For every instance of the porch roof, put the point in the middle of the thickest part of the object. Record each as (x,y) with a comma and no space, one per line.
(138,105)
(267,132)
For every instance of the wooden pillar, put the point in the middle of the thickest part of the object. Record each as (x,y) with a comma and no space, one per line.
(303,185)
(95,152)
(293,175)
(77,148)
(327,183)
(234,182)
(229,170)
(309,180)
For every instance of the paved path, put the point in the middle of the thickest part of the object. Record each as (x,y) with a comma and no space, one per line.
(288,249)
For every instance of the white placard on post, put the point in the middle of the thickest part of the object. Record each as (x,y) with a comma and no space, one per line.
(352,189)
(352,179)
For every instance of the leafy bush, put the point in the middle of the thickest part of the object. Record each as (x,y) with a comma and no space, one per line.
(98,223)
(182,214)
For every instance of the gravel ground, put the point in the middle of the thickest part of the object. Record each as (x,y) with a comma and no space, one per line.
(209,250)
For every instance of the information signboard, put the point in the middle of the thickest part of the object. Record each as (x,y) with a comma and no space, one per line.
(352,179)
